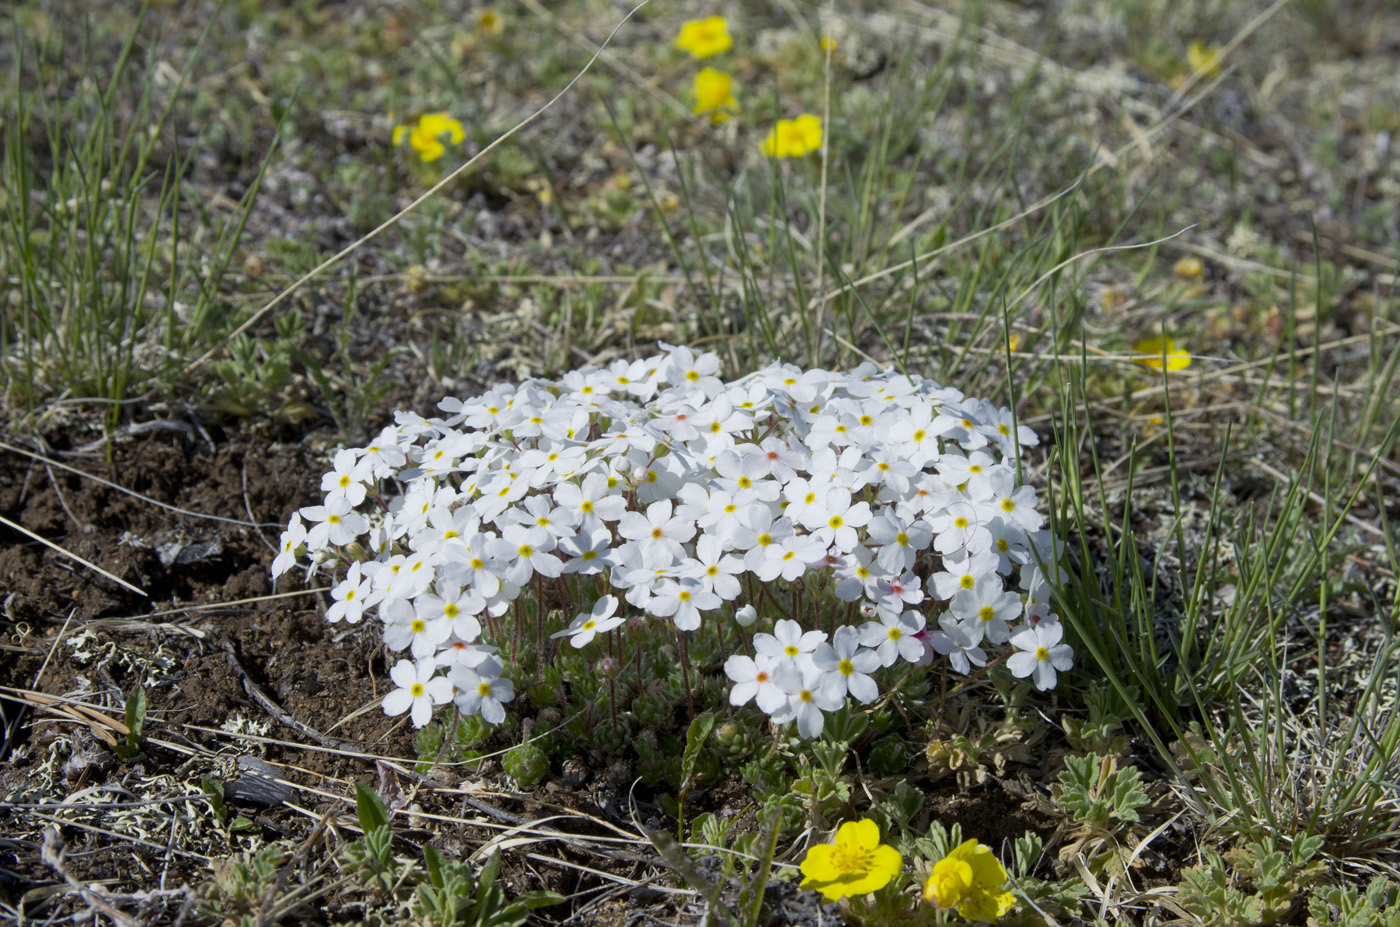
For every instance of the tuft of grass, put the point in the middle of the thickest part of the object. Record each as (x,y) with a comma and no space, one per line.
(107,288)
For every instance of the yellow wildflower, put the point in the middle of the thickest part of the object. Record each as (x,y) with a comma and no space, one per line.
(1189,268)
(713,94)
(432,135)
(489,22)
(1203,59)
(854,863)
(970,879)
(1150,352)
(793,138)
(828,44)
(705,38)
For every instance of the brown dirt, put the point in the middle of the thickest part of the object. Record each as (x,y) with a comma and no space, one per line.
(113,640)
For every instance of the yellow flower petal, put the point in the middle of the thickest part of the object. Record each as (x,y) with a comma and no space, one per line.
(1203,59)
(705,38)
(1151,351)
(713,93)
(854,863)
(793,138)
(489,22)
(1189,268)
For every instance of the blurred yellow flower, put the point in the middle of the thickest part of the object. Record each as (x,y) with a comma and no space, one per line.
(1150,352)
(1189,268)
(1203,59)
(432,135)
(969,878)
(705,38)
(828,44)
(713,94)
(854,863)
(793,138)
(489,22)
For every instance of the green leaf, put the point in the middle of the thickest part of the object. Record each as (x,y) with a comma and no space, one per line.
(434,862)
(373,814)
(534,900)
(135,714)
(695,738)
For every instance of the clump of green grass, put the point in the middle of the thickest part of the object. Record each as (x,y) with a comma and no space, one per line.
(112,284)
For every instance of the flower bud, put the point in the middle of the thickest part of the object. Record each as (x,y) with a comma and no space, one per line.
(746,616)
(607,668)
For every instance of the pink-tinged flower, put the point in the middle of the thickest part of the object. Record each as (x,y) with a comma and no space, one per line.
(759,679)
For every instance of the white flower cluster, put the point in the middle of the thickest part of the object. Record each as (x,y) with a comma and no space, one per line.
(681,493)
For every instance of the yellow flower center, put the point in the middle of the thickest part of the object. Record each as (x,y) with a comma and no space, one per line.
(417,689)
(967,582)
(1042,653)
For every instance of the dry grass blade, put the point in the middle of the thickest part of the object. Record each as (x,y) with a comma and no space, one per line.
(72,556)
(130,492)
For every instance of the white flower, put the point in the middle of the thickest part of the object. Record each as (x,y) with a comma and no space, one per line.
(458,605)
(599,621)
(900,540)
(403,627)
(835,518)
(758,679)
(335,524)
(894,636)
(958,528)
(589,551)
(954,641)
(987,611)
(789,643)
(349,597)
(483,690)
(806,702)
(717,571)
(964,572)
(1041,654)
(658,528)
(1016,503)
(847,666)
(892,593)
(791,558)
(347,478)
(292,540)
(418,690)
(525,551)
(855,579)
(682,601)
(593,502)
